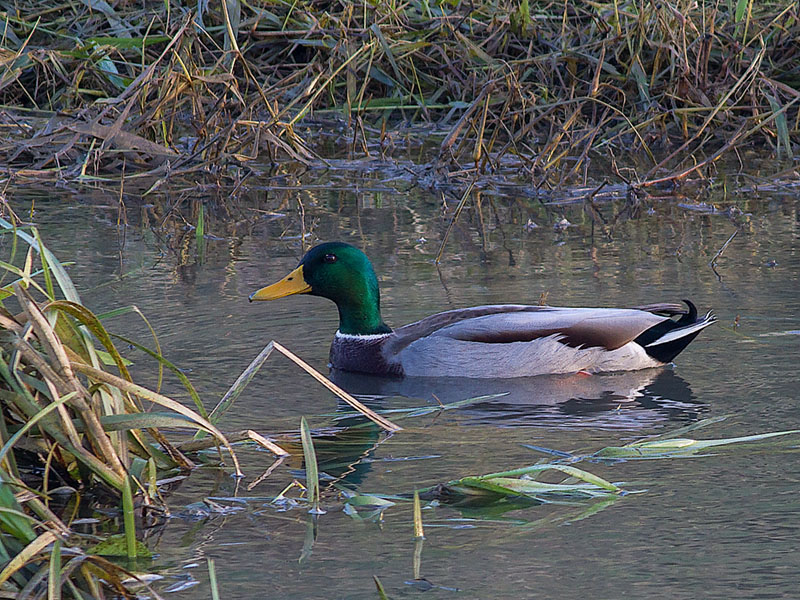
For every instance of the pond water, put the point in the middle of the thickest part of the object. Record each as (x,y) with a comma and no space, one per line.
(723,525)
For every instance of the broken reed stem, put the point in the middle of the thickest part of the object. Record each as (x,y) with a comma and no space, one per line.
(419,532)
(370,414)
(713,261)
(237,436)
(241,382)
(267,473)
(247,375)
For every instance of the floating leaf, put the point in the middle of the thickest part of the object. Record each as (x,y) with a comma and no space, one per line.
(678,447)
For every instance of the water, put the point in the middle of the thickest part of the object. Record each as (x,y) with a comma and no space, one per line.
(719,526)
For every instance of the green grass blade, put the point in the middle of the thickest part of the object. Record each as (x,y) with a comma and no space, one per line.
(679,447)
(31,422)
(128,43)
(169,403)
(117,312)
(379,586)
(312,472)
(566,469)
(12,518)
(86,318)
(26,555)
(24,278)
(308,540)
(376,31)
(64,281)
(199,234)
(129,519)
(48,280)
(680,432)
(741,7)
(149,420)
(781,125)
(212,579)
(511,486)
(54,574)
(369,500)
(238,386)
(178,373)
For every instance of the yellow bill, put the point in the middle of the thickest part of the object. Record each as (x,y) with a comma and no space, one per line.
(293,283)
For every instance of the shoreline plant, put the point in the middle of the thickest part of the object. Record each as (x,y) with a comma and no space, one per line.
(154,89)
(69,427)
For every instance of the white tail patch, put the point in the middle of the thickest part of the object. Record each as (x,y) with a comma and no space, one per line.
(676,334)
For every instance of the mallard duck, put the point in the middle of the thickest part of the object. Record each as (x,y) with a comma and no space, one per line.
(496,341)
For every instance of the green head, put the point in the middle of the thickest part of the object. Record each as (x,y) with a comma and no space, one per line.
(339,272)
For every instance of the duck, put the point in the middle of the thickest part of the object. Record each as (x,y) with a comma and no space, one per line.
(495,341)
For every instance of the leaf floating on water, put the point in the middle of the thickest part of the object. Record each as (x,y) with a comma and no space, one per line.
(181,586)
(367,500)
(566,469)
(519,483)
(673,443)
(679,447)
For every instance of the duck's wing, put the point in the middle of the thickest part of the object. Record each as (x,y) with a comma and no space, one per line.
(408,334)
(669,309)
(609,328)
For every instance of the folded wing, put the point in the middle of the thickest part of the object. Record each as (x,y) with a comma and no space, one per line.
(502,324)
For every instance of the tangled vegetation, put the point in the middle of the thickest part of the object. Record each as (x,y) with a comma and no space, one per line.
(70,427)
(131,88)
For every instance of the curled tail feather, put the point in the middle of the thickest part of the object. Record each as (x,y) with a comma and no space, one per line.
(666,340)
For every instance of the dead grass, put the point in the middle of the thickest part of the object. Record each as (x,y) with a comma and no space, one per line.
(147,90)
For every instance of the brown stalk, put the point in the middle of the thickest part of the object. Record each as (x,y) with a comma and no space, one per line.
(237,436)
(55,350)
(370,414)
(76,449)
(751,70)
(142,392)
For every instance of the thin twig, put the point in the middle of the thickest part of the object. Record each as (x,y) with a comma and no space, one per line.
(713,262)
(457,212)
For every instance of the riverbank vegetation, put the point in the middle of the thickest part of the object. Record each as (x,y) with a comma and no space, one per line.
(655,91)
(75,434)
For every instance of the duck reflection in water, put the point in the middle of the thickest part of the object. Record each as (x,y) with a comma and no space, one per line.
(624,401)
(628,400)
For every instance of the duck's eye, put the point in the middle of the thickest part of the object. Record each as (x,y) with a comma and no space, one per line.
(330,258)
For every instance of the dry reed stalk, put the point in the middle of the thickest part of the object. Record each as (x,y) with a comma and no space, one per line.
(149,90)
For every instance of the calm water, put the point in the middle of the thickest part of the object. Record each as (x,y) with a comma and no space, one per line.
(720,526)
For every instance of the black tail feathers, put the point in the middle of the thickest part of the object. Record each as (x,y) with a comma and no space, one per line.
(666,340)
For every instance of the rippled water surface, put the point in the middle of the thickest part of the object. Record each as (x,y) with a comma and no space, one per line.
(724,525)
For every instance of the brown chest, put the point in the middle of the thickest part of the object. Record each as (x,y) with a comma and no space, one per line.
(362,354)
